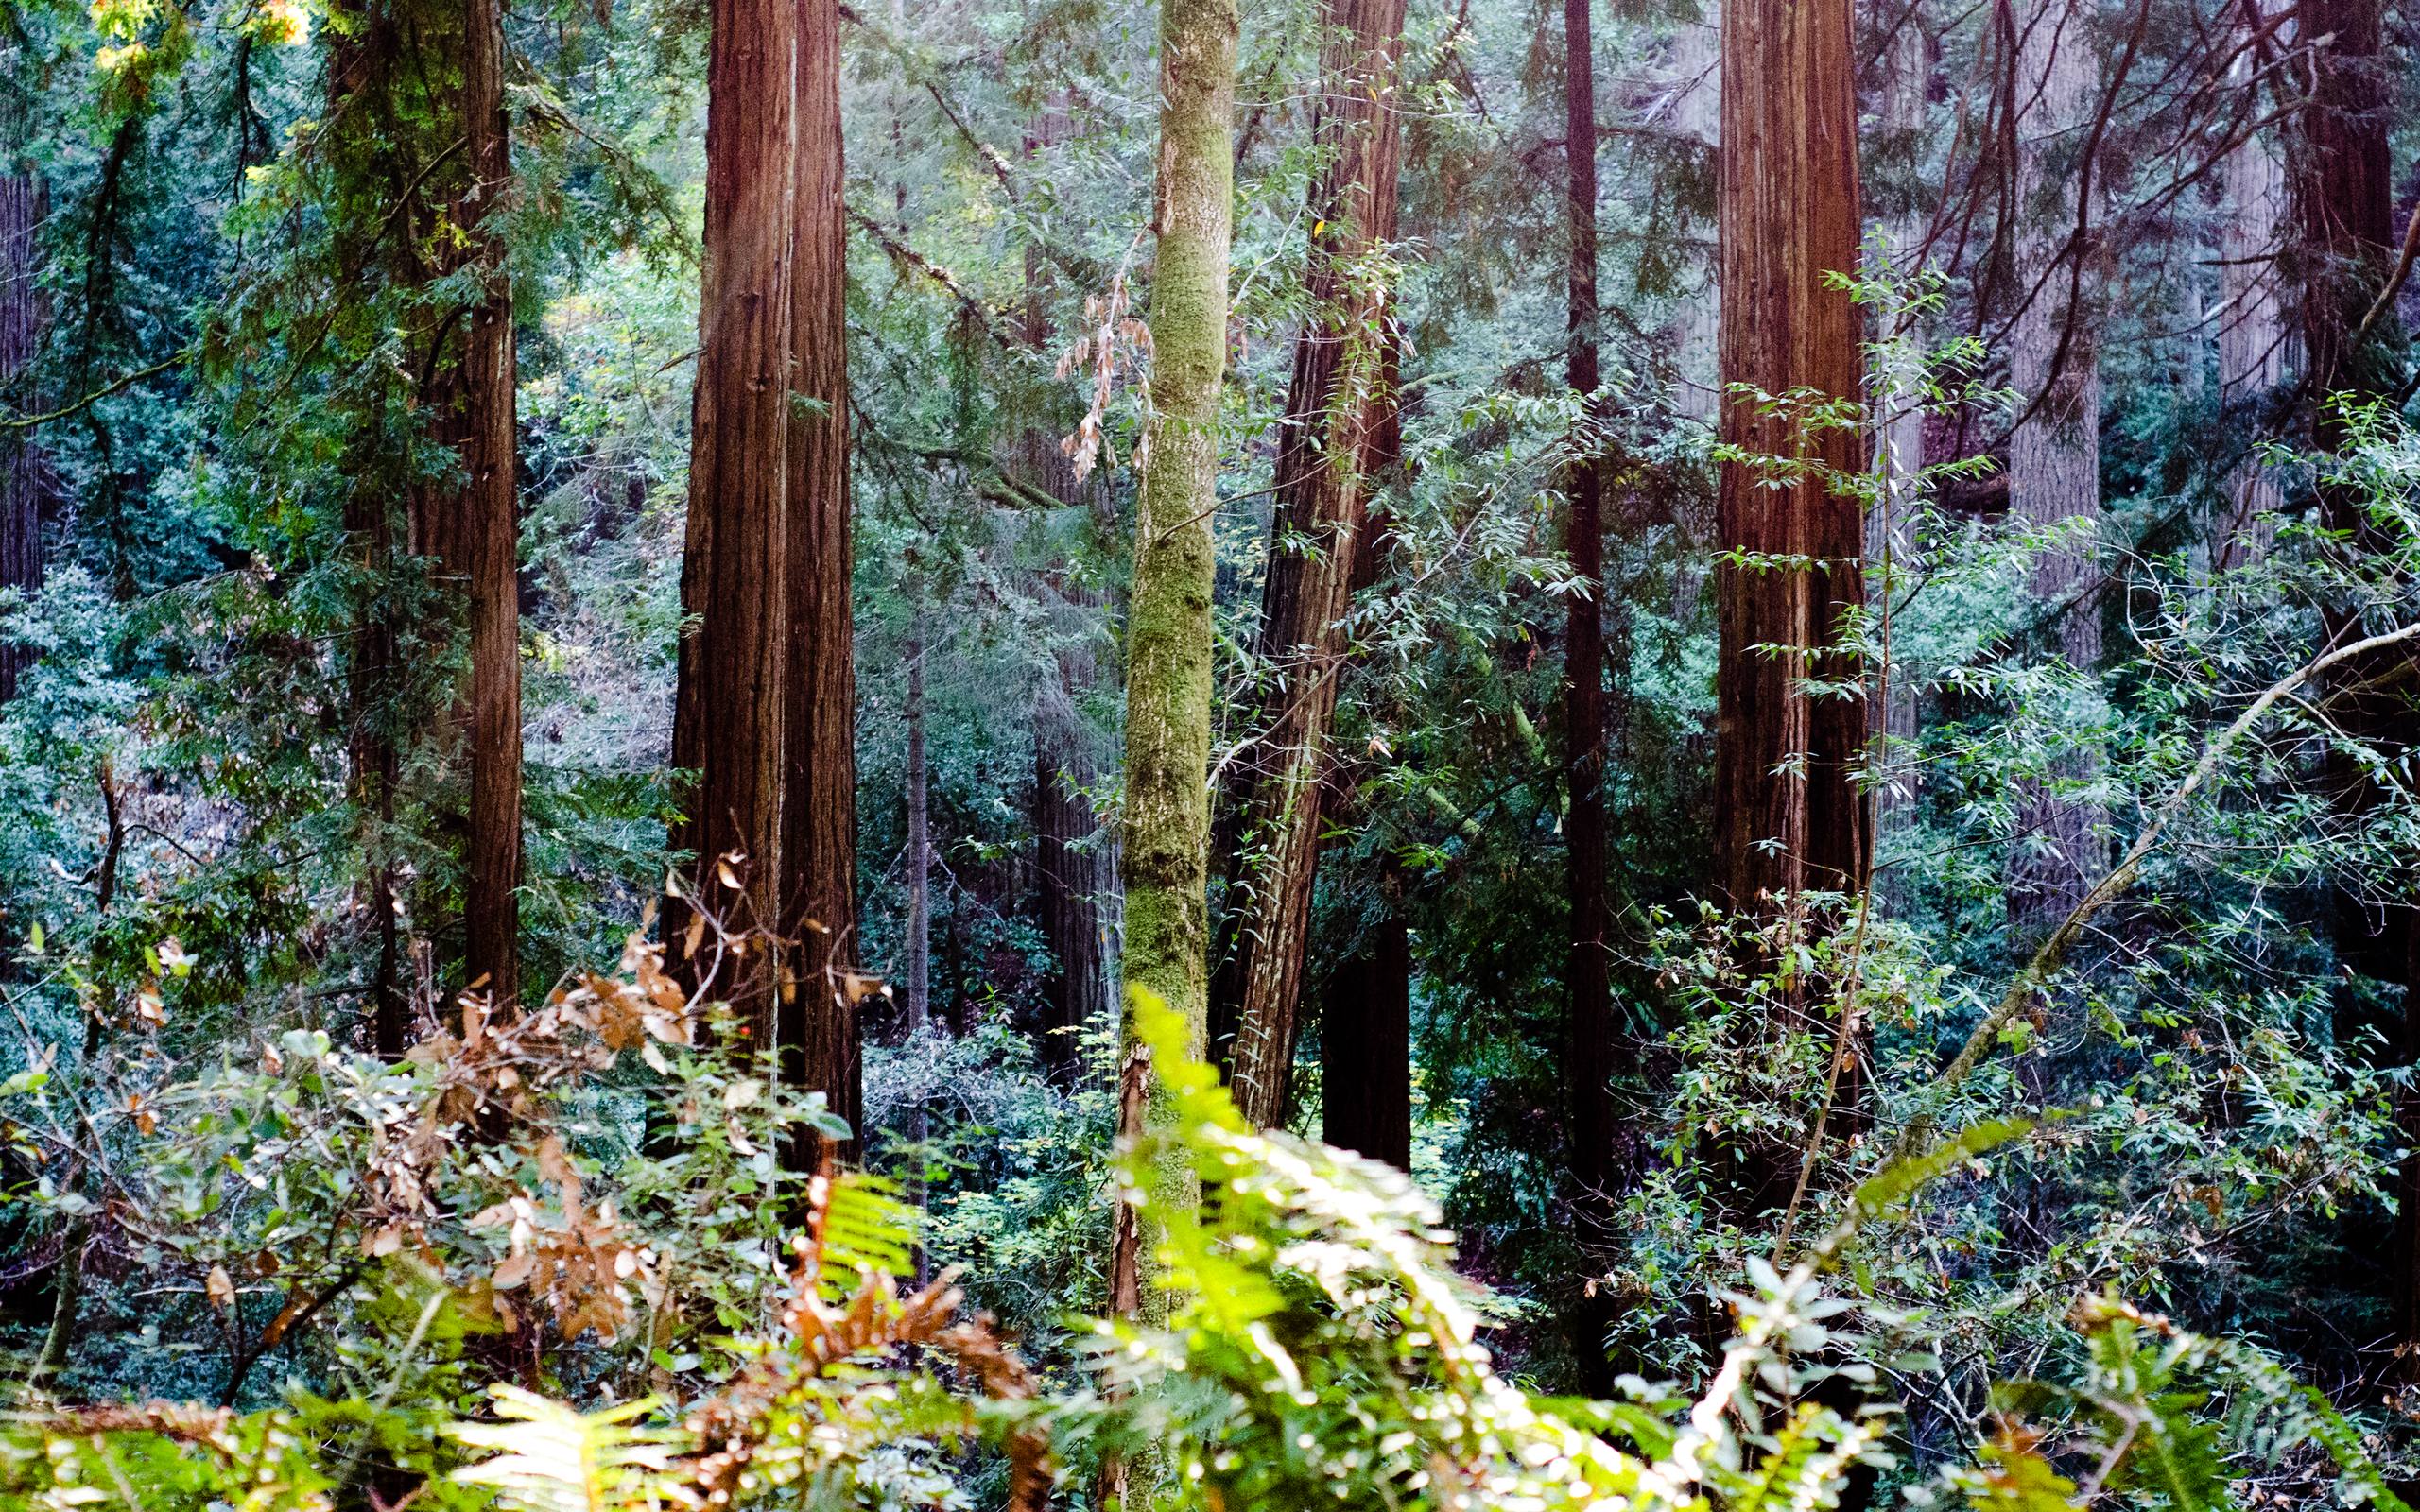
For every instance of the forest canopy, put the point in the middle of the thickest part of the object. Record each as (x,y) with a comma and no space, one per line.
(1229,754)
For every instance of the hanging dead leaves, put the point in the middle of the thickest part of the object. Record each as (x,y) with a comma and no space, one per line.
(486,1086)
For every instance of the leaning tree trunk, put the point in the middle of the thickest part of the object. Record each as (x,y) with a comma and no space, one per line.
(21,491)
(727,722)
(1332,447)
(1166,817)
(820,816)
(2054,453)
(491,538)
(1790,812)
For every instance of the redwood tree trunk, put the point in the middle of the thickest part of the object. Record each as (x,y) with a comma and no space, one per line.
(1333,446)
(2252,332)
(1789,814)
(1586,974)
(820,817)
(2054,455)
(490,515)
(727,720)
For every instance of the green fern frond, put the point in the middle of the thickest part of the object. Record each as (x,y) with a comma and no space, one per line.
(866,1226)
(551,1458)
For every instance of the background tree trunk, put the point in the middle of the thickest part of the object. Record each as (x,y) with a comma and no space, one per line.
(2251,329)
(1365,1041)
(1072,870)
(1587,978)
(491,513)
(728,711)
(1327,462)
(917,950)
(820,816)
(2054,453)
(21,491)
(1786,765)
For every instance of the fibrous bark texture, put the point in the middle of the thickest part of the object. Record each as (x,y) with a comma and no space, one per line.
(1337,426)
(490,530)
(2251,329)
(728,715)
(2054,455)
(819,887)
(1789,814)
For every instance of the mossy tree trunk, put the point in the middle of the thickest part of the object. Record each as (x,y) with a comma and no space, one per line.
(1167,817)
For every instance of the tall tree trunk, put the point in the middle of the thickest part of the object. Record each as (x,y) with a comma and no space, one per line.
(21,491)
(1789,814)
(359,63)
(490,513)
(2251,329)
(2343,194)
(918,948)
(1892,717)
(1586,967)
(1365,1041)
(2054,455)
(1332,448)
(727,722)
(1166,818)
(1070,868)
(820,817)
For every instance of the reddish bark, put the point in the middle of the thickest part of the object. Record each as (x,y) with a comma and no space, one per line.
(727,719)
(1788,812)
(820,814)
(491,521)
(1337,408)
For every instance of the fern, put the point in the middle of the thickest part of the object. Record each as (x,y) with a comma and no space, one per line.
(551,1458)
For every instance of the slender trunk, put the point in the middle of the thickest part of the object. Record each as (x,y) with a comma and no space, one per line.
(1586,967)
(1365,1042)
(2252,333)
(1789,813)
(358,65)
(1891,722)
(918,949)
(1170,630)
(2054,455)
(820,817)
(490,513)
(728,715)
(21,491)
(1336,406)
